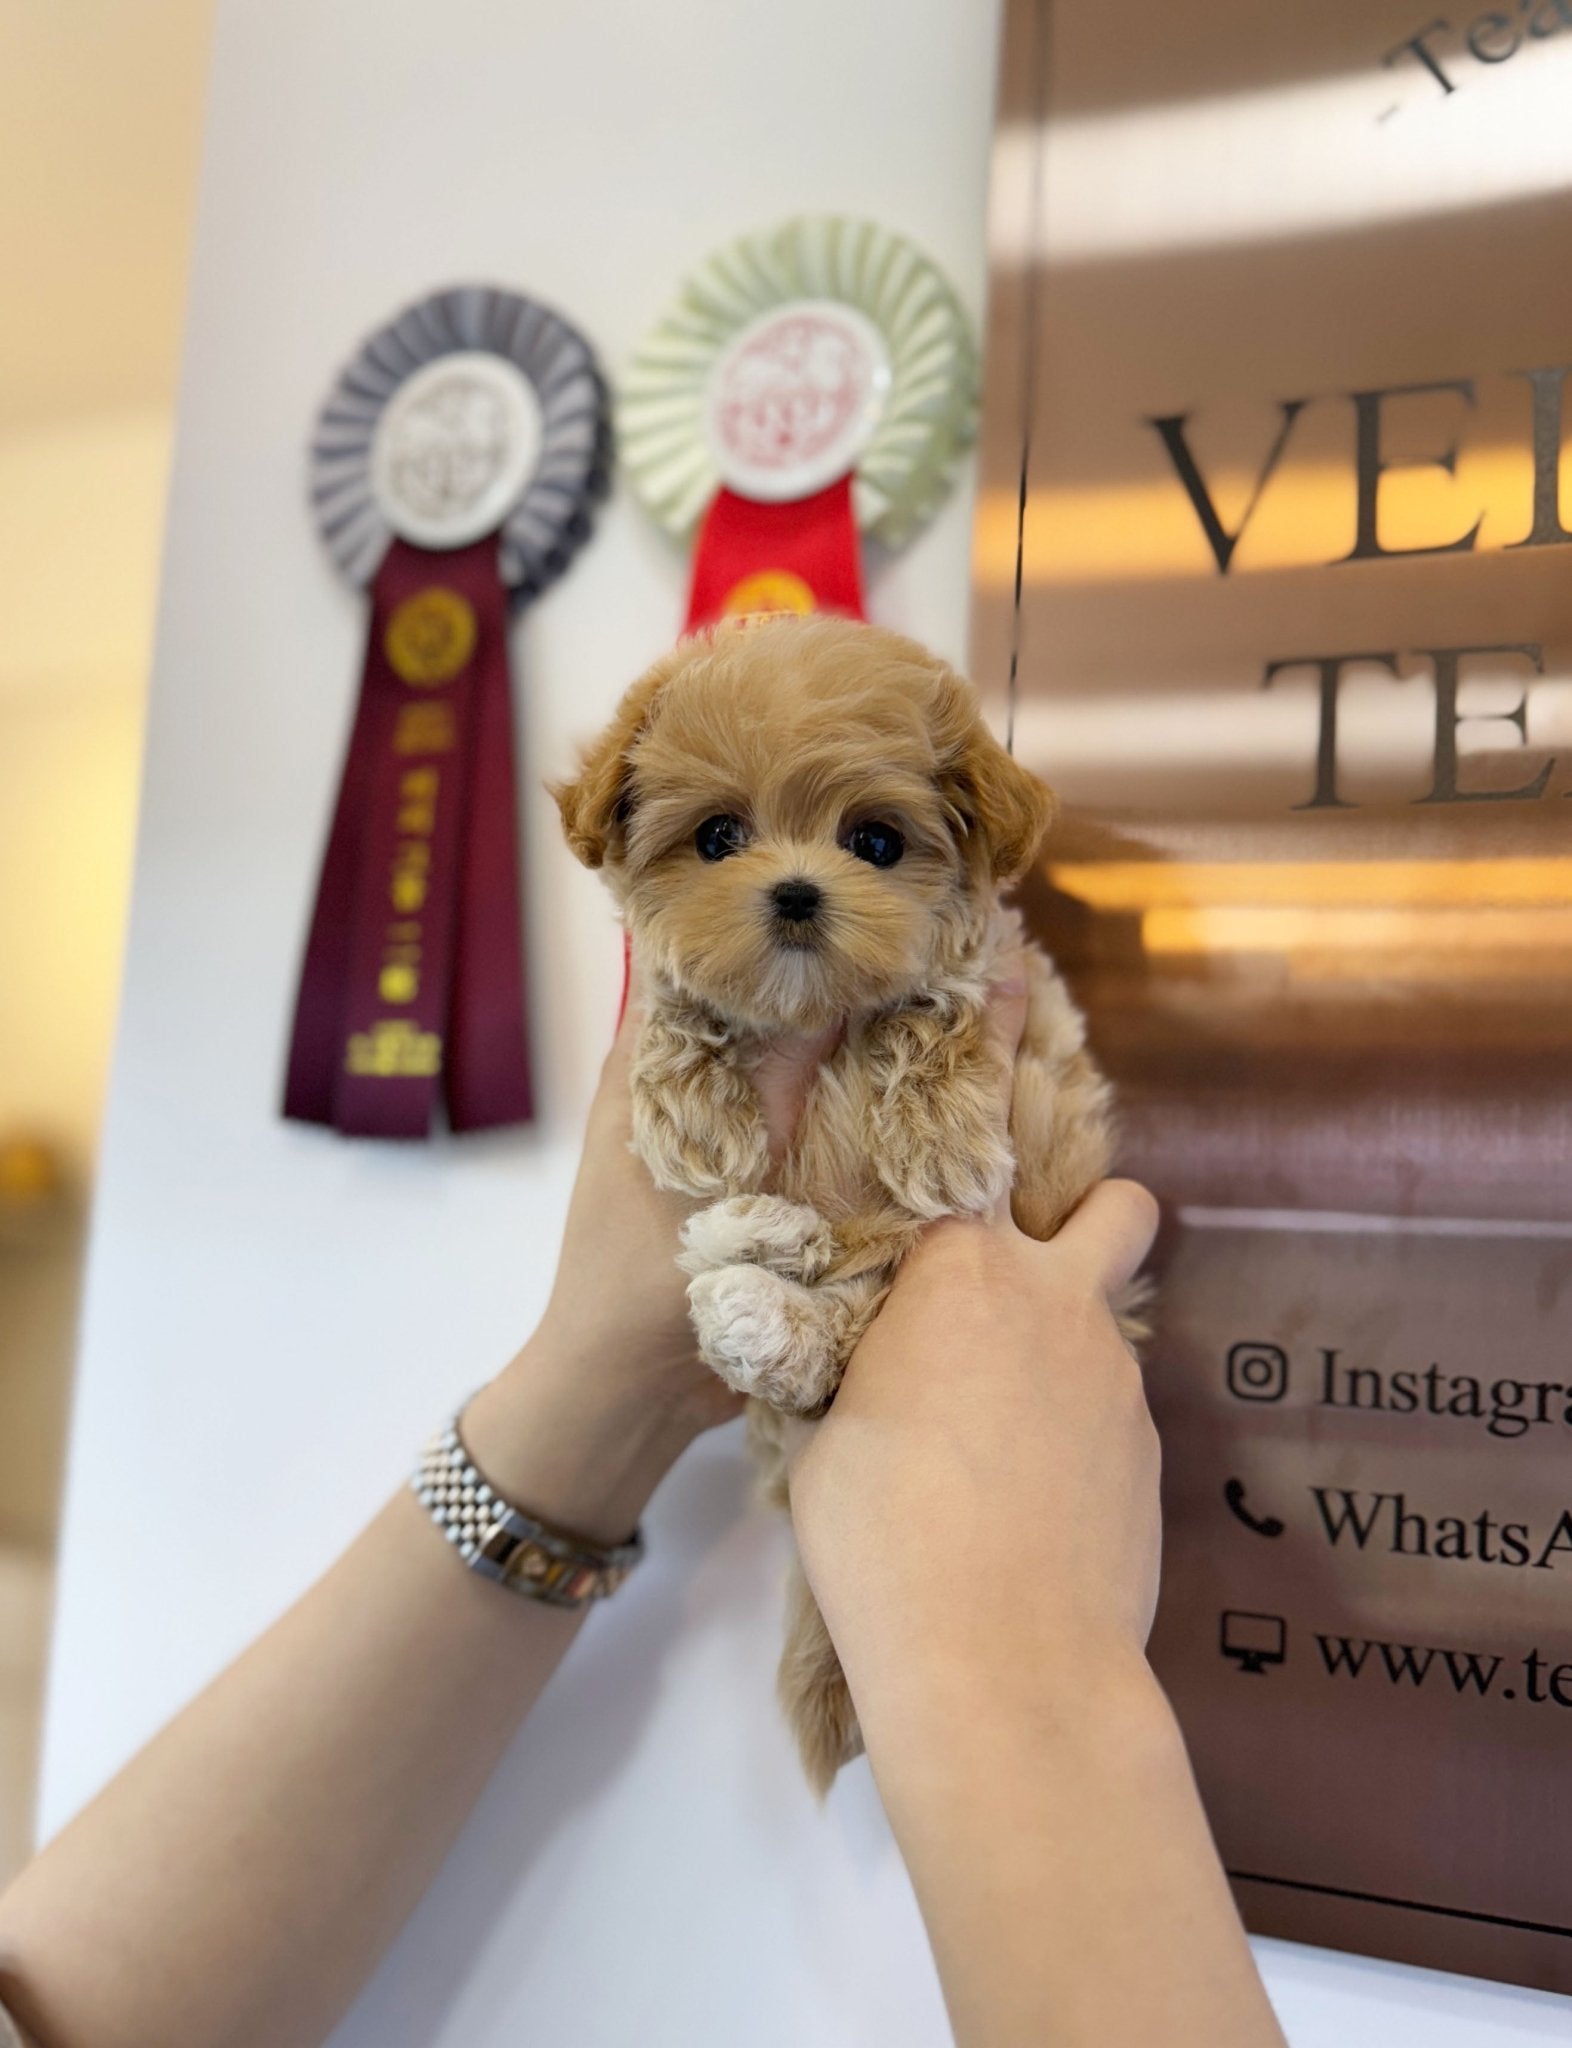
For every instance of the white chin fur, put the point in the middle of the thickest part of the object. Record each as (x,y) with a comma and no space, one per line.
(794,979)
(795,988)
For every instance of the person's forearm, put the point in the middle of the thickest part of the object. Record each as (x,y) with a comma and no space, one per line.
(1062,1862)
(235,1884)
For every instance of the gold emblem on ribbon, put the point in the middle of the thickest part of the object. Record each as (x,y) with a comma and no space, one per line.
(394,1049)
(430,636)
(768,590)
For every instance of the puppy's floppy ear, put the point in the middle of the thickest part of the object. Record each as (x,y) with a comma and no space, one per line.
(594,805)
(1008,809)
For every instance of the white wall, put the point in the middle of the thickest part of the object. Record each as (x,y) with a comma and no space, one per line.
(275,1317)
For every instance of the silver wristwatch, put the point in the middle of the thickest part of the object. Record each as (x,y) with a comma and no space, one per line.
(503,1543)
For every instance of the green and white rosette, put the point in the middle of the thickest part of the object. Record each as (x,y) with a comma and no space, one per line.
(826,360)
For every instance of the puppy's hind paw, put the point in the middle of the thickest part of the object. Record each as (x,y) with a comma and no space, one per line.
(757,1230)
(766,1336)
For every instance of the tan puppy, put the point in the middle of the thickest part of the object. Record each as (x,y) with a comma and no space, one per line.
(806,824)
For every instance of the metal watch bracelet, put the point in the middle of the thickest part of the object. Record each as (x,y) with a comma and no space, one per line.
(503,1543)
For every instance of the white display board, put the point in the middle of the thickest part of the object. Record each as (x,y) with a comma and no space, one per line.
(276,1316)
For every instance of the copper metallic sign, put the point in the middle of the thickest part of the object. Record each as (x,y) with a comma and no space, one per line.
(1282,295)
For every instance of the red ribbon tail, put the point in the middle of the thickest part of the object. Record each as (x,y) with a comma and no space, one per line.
(800,556)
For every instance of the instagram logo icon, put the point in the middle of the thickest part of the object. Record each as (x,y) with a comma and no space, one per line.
(1257,1372)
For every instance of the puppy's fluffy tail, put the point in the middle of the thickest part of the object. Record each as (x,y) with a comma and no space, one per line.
(813,1689)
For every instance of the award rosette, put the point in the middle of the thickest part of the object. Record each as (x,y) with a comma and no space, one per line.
(807,385)
(453,470)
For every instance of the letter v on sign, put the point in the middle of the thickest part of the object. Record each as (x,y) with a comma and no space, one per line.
(1222,542)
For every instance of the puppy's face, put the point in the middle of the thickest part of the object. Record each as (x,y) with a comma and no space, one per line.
(803,819)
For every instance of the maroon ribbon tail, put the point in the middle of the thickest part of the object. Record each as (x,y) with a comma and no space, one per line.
(488,1067)
(413,978)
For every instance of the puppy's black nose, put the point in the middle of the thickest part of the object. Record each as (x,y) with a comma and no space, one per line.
(796,900)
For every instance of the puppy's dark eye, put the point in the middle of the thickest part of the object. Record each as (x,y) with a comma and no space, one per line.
(881,846)
(717,837)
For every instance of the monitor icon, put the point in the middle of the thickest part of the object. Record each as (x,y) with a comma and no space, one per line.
(1254,1641)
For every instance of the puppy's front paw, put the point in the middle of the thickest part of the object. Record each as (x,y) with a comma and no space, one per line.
(758,1230)
(766,1336)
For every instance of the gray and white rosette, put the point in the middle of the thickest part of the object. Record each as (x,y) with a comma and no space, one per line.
(790,358)
(453,468)
(473,410)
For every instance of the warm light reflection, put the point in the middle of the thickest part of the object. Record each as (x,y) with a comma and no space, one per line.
(1126,532)
(1435,942)
(1377,145)
(1431,921)
(1366,884)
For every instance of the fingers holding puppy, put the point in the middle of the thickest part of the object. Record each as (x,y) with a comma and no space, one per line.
(1007,1000)
(1005,1024)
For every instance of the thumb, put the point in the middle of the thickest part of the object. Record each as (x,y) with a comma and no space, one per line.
(1007,997)
(782,1076)
(1006,1021)
(1111,1232)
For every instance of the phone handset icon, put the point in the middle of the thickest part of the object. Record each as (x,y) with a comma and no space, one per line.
(1262,1525)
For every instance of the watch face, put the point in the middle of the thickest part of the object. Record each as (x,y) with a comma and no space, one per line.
(795,399)
(455,449)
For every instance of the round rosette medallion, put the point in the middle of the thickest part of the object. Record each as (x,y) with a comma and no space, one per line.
(828,356)
(475,411)
(453,470)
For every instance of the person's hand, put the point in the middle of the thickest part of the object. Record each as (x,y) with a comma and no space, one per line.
(978,1518)
(584,1423)
(982,1494)
(619,1302)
